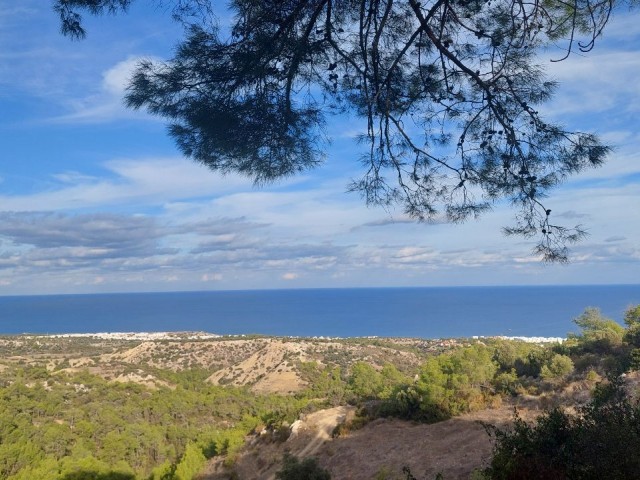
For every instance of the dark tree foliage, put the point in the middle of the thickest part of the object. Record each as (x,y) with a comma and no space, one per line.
(89,475)
(601,442)
(307,469)
(448,91)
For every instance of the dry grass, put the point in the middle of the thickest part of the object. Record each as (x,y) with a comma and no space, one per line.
(454,448)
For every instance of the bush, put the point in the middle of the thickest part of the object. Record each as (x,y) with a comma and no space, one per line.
(632,316)
(557,368)
(191,463)
(365,382)
(531,364)
(307,469)
(601,442)
(505,356)
(448,384)
(592,377)
(635,359)
(404,403)
(599,334)
(632,335)
(507,383)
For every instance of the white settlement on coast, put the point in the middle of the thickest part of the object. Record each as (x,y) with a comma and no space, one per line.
(524,339)
(137,336)
(151,336)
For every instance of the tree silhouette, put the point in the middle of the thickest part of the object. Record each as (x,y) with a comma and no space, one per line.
(448,92)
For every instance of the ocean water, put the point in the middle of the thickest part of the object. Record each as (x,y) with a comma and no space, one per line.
(434,312)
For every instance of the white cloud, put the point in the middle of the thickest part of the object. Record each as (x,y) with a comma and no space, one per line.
(204,230)
(152,181)
(117,78)
(74,177)
(221,231)
(211,277)
(603,80)
(622,162)
(107,104)
(623,26)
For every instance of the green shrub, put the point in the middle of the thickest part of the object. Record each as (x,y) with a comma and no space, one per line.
(632,316)
(635,359)
(557,368)
(592,377)
(307,469)
(598,333)
(505,356)
(448,384)
(602,441)
(507,383)
(531,364)
(365,382)
(632,335)
(191,463)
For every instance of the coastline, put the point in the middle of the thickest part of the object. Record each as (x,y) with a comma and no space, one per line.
(185,335)
(524,339)
(135,336)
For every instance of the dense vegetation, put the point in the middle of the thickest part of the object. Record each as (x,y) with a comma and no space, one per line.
(602,441)
(70,424)
(65,426)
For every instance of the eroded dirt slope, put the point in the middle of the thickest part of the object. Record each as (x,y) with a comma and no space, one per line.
(380,449)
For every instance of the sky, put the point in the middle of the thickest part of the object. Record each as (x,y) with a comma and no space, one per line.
(96,198)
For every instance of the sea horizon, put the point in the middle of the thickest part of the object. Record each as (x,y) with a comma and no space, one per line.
(418,312)
(394,287)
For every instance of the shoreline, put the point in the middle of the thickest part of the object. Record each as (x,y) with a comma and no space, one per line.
(523,339)
(184,335)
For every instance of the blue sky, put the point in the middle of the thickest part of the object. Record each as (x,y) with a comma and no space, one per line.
(96,198)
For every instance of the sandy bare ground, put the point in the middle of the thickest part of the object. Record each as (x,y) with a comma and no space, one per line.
(316,429)
(381,449)
(453,448)
(261,457)
(269,369)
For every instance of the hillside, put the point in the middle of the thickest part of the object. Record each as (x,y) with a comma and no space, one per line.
(378,450)
(268,365)
(188,405)
(265,364)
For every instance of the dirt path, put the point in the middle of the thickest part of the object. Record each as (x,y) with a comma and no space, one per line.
(316,429)
(324,423)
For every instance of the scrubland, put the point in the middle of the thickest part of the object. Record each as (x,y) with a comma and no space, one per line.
(195,406)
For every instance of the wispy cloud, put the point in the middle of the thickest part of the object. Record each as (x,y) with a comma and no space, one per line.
(72,221)
(132,182)
(603,80)
(615,238)
(107,104)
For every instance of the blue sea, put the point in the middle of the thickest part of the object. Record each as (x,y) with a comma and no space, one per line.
(434,312)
